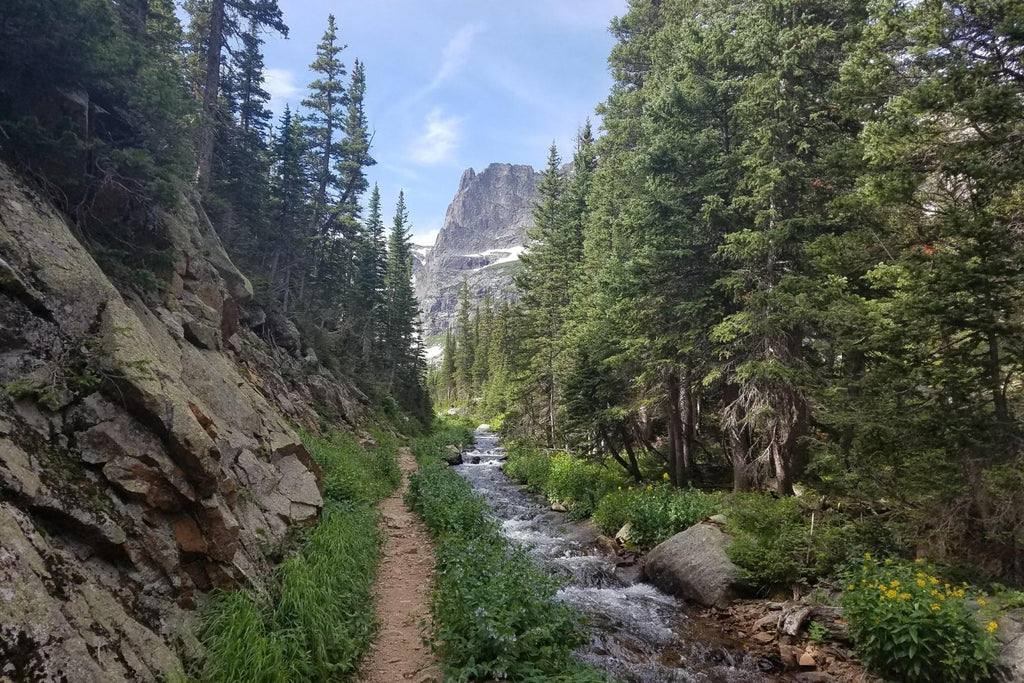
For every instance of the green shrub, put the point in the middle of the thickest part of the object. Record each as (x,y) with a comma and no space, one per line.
(494,611)
(528,466)
(579,484)
(769,538)
(656,513)
(909,625)
(613,511)
(447,430)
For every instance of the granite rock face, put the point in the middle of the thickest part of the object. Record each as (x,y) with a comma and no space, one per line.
(480,241)
(144,459)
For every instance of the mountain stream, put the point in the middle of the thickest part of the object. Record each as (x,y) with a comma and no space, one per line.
(640,634)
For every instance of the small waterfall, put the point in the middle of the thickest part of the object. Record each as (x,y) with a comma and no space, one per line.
(640,633)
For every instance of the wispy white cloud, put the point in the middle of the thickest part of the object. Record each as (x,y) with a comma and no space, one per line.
(280,83)
(438,141)
(455,53)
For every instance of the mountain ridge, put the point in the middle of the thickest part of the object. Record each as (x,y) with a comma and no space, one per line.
(483,234)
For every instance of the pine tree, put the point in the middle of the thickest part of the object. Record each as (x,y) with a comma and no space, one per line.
(325,112)
(290,238)
(354,155)
(372,261)
(464,347)
(402,310)
(446,379)
(482,348)
(221,19)
(543,280)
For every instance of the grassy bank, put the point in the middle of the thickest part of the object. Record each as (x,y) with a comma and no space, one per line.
(494,611)
(313,621)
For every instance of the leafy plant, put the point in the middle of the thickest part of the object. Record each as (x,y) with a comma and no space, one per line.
(612,511)
(769,538)
(817,632)
(495,616)
(909,625)
(656,513)
(579,483)
(528,466)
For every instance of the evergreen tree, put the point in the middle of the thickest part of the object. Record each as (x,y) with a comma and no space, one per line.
(545,288)
(402,310)
(464,347)
(446,379)
(220,22)
(325,111)
(481,350)
(354,155)
(372,260)
(290,238)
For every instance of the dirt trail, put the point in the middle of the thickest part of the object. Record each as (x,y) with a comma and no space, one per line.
(402,593)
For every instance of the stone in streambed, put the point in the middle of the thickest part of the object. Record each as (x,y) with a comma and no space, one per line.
(693,564)
(452,455)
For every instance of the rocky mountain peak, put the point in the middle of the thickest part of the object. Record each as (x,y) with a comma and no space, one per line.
(483,234)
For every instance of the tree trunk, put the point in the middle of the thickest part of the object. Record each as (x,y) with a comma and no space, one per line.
(995,377)
(677,472)
(211,92)
(738,437)
(689,429)
(634,465)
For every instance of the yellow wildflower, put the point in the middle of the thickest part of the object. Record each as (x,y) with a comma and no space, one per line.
(920,575)
(904,596)
(650,487)
(867,556)
(919,560)
(992,626)
(894,583)
(982,602)
(665,476)
(935,607)
(932,580)
(850,587)
(890,593)
(921,583)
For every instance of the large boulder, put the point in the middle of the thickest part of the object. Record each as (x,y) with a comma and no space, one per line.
(693,564)
(1011,645)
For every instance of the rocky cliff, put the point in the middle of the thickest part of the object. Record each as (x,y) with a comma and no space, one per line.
(480,241)
(144,458)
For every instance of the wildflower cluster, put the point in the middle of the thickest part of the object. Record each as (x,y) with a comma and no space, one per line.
(910,625)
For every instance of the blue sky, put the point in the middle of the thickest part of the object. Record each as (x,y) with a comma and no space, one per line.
(455,83)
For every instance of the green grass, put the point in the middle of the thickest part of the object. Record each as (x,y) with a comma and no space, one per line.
(314,621)
(352,473)
(494,611)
